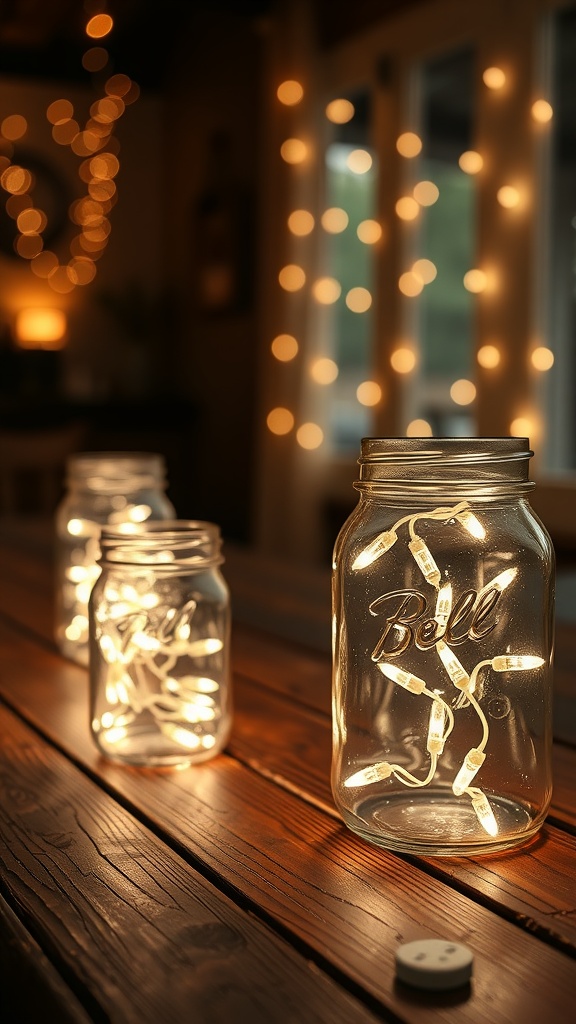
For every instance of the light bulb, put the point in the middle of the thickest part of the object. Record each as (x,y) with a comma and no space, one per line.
(405,679)
(515,663)
(435,741)
(425,561)
(499,583)
(484,813)
(455,670)
(470,522)
(472,763)
(375,773)
(443,604)
(383,542)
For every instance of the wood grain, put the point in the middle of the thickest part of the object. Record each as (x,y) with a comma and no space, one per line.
(347,902)
(144,935)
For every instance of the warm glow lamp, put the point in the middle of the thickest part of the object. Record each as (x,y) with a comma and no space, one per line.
(41,328)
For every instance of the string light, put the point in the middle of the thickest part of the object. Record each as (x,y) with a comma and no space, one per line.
(324,371)
(358,300)
(301,222)
(463,392)
(334,220)
(542,358)
(426,270)
(293,151)
(471,162)
(508,196)
(407,208)
(284,347)
(475,281)
(290,92)
(369,393)
(326,290)
(419,428)
(488,356)
(340,111)
(403,360)
(409,144)
(369,231)
(442,717)
(359,161)
(280,420)
(94,137)
(542,111)
(494,78)
(426,193)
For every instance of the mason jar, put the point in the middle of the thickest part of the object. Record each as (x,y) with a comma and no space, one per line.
(443,605)
(124,489)
(159,646)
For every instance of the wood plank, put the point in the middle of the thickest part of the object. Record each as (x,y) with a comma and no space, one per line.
(340,897)
(146,936)
(31,989)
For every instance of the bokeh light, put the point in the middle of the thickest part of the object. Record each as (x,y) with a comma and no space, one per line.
(334,220)
(463,392)
(340,111)
(290,92)
(542,358)
(369,231)
(494,78)
(488,357)
(292,278)
(326,290)
(309,436)
(324,371)
(403,360)
(426,193)
(280,420)
(301,222)
(294,151)
(409,144)
(369,393)
(284,347)
(359,161)
(419,428)
(470,161)
(358,300)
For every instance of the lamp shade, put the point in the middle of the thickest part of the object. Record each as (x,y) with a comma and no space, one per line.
(41,328)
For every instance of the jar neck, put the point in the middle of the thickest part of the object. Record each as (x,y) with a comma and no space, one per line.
(433,468)
(115,472)
(165,545)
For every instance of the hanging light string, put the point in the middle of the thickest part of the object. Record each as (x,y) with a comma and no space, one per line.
(441,720)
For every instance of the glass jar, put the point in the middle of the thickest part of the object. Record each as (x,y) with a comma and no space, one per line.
(443,604)
(125,489)
(159,646)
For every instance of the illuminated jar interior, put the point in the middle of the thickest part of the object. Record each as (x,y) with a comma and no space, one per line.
(443,624)
(121,489)
(159,645)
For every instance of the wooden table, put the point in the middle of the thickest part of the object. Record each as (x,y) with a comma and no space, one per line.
(232,891)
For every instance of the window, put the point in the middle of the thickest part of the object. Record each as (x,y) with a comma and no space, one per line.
(469,319)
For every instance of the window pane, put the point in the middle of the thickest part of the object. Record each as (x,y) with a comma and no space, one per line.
(444,316)
(558,382)
(350,235)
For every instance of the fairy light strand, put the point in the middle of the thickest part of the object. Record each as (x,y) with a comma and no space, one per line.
(442,715)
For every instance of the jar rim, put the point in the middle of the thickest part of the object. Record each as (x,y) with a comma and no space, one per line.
(426,462)
(163,543)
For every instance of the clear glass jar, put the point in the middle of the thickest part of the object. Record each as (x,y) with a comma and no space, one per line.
(124,489)
(159,646)
(443,604)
